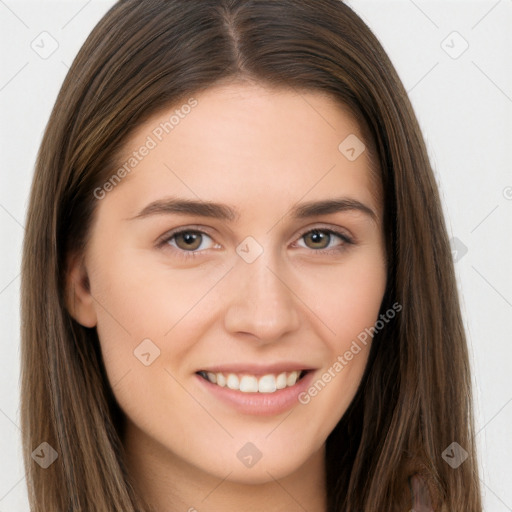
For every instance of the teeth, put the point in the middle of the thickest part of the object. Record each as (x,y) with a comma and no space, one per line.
(233,382)
(291,379)
(221,380)
(267,384)
(251,384)
(281,381)
(248,384)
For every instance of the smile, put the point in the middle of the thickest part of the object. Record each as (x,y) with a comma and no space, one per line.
(247,383)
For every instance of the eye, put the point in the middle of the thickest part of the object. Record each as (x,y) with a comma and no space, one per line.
(188,240)
(324,240)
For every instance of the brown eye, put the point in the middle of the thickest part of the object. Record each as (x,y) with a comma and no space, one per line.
(187,240)
(319,239)
(187,243)
(324,240)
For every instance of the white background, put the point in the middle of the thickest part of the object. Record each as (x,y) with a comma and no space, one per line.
(464,106)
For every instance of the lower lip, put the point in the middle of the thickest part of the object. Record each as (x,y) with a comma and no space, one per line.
(260,404)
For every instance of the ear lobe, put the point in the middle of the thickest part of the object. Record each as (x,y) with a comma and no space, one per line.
(79,300)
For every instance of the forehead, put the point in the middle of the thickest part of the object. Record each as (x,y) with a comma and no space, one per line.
(243,140)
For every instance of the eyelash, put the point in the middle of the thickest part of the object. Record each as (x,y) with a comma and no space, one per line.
(194,254)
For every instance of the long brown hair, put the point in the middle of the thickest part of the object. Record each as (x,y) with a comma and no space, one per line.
(414,400)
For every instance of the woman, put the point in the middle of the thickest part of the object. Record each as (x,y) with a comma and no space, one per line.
(195,344)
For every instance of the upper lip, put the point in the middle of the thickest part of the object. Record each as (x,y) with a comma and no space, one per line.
(257,369)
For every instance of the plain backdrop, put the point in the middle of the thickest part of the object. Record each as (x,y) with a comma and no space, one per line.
(455,60)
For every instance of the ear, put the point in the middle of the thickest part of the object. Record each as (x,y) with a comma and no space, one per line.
(79,300)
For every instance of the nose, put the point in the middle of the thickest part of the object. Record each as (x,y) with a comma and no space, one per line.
(262,303)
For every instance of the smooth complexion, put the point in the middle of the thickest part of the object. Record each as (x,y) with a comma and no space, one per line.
(262,153)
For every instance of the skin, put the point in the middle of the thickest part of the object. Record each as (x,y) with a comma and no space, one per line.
(260,151)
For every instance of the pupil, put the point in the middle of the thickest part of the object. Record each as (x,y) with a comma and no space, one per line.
(189,238)
(316,237)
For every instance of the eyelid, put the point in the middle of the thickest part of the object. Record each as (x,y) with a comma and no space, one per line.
(176,231)
(338,231)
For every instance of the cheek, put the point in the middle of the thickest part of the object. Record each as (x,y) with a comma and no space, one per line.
(347,296)
(359,300)
(347,299)
(142,297)
(145,307)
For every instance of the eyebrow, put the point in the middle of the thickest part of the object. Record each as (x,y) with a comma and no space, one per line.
(224,212)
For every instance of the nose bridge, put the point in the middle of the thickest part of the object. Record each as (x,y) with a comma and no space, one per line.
(261,301)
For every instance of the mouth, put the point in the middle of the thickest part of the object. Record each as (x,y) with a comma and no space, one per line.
(250,383)
(256,390)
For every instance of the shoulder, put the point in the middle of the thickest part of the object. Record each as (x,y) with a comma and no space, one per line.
(421,500)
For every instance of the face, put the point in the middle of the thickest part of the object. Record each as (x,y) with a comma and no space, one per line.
(244,246)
